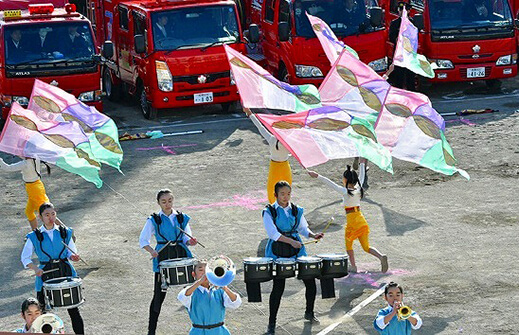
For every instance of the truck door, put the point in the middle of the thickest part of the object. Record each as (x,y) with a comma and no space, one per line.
(271,43)
(139,28)
(124,43)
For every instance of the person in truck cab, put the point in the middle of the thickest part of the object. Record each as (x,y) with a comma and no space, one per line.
(160,27)
(44,43)
(74,44)
(15,49)
(478,9)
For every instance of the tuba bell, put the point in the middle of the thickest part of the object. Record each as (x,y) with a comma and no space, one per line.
(220,271)
(47,324)
(404,312)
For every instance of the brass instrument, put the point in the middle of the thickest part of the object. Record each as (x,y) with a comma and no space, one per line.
(404,312)
(47,323)
(220,271)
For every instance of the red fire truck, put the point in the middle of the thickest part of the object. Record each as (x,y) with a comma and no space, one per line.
(292,50)
(468,39)
(48,41)
(168,53)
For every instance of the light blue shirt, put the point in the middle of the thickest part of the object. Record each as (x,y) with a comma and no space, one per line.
(395,327)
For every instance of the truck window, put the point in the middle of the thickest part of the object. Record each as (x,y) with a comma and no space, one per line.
(123,18)
(284,11)
(469,14)
(269,10)
(194,27)
(139,24)
(47,44)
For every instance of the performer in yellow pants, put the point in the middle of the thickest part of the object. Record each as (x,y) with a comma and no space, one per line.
(356,225)
(279,168)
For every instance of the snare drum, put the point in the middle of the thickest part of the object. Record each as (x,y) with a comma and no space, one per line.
(63,292)
(308,267)
(285,267)
(257,269)
(334,265)
(178,271)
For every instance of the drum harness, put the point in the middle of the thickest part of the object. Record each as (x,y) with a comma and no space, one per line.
(180,219)
(284,249)
(54,263)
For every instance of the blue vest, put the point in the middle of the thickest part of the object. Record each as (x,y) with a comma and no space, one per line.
(285,224)
(207,309)
(55,249)
(169,231)
(394,327)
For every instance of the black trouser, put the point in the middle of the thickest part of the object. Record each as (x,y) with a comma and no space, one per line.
(75,317)
(277,292)
(402,77)
(156,304)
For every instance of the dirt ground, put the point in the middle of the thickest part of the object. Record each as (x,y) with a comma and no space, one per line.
(451,243)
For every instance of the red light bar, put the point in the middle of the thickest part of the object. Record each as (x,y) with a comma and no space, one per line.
(46,8)
(70,8)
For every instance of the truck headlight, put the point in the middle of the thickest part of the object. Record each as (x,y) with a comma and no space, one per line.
(233,82)
(443,63)
(507,60)
(90,96)
(306,71)
(378,65)
(164,77)
(23,101)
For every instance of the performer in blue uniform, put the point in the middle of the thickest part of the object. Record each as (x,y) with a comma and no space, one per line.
(387,322)
(206,305)
(164,226)
(46,243)
(31,309)
(284,222)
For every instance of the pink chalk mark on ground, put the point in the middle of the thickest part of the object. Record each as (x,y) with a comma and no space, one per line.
(372,278)
(249,202)
(167,148)
(462,120)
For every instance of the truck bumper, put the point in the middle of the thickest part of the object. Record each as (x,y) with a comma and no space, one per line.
(161,100)
(460,72)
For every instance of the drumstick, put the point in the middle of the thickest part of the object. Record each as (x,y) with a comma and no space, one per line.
(48,271)
(309,242)
(329,223)
(203,246)
(165,245)
(73,253)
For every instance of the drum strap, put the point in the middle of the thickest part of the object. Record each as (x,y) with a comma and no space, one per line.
(274,215)
(40,237)
(158,221)
(216,325)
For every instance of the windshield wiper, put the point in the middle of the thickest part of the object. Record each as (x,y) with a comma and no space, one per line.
(212,44)
(181,47)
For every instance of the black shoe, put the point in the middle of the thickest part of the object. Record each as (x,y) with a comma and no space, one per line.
(311,317)
(271,330)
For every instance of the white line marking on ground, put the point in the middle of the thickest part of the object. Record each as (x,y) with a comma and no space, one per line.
(353,311)
(182,124)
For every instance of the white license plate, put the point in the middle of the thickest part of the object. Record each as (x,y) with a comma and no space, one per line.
(203,98)
(476,72)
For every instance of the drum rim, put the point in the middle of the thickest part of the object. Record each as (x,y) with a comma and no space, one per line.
(70,306)
(179,261)
(308,259)
(74,280)
(332,256)
(284,261)
(267,260)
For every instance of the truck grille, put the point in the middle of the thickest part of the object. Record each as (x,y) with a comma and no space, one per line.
(488,69)
(471,56)
(193,80)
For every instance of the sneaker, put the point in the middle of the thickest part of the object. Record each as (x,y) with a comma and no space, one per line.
(384,263)
(271,329)
(352,269)
(311,317)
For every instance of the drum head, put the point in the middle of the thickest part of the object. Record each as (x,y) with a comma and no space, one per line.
(173,263)
(336,256)
(257,260)
(308,259)
(285,261)
(63,282)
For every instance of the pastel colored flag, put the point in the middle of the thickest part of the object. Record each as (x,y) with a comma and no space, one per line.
(332,46)
(318,135)
(261,92)
(63,144)
(406,50)
(51,102)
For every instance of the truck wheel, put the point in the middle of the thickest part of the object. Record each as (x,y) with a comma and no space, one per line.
(229,107)
(147,110)
(493,84)
(113,91)
(283,74)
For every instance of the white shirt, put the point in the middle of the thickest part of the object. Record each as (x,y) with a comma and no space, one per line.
(271,229)
(163,29)
(149,230)
(28,248)
(347,200)
(227,302)
(29,167)
(382,325)
(16,44)
(278,152)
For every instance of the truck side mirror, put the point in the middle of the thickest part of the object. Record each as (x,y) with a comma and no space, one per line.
(283,31)
(375,16)
(108,50)
(418,21)
(254,33)
(140,45)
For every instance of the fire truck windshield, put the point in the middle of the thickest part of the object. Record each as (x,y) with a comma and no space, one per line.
(460,14)
(46,44)
(194,27)
(345,17)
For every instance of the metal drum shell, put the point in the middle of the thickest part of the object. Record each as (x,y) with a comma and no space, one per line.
(334,265)
(308,267)
(285,268)
(64,292)
(178,271)
(258,269)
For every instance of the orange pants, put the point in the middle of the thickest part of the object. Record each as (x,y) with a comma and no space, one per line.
(37,197)
(277,171)
(356,228)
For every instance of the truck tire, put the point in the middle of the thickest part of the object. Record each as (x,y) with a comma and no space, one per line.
(229,107)
(493,84)
(283,73)
(147,110)
(112,91)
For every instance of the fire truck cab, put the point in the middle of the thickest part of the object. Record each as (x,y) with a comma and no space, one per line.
(169,54)
(48,41)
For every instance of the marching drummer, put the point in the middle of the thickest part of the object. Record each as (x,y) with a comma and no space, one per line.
(206,305)
(284,223)
(47,243)
(171,242)
(31,309)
